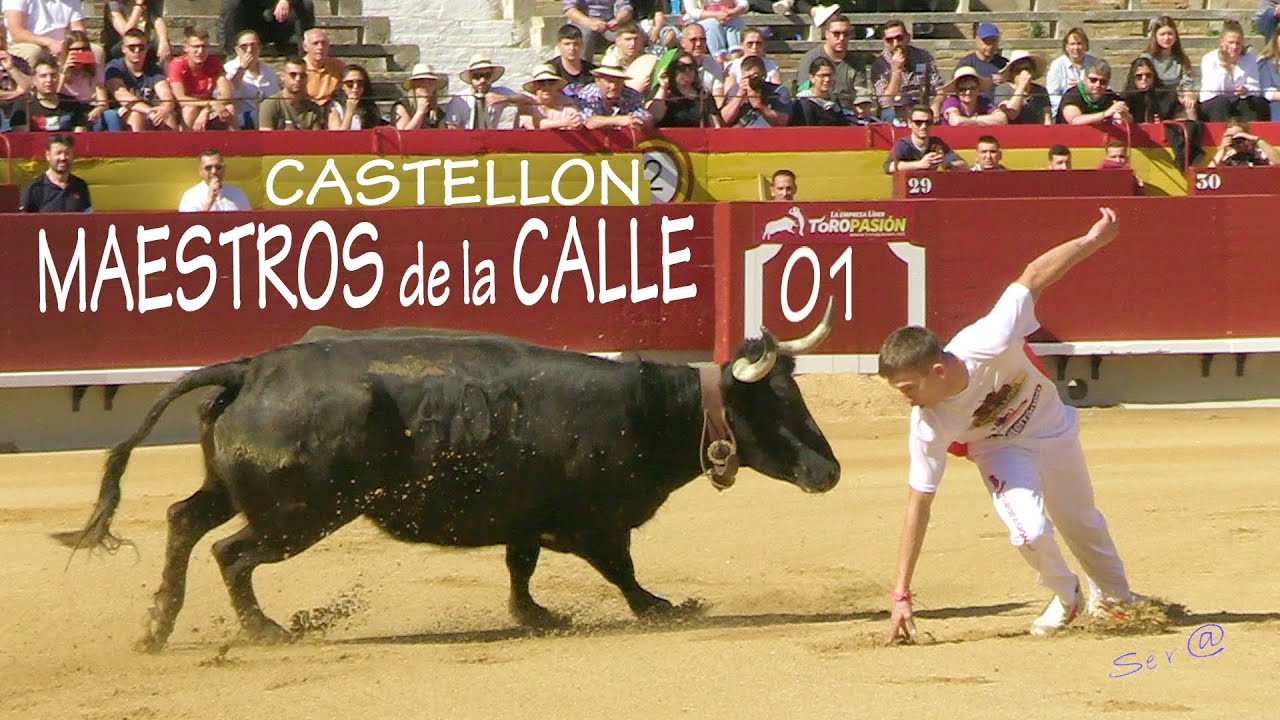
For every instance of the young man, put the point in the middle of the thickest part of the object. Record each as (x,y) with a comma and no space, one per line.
(57,190)
(569,62)
(291,109)
(198,83)
(920,150)
(210,195)
(139,87)
(989,155)
(986,390)
(1059,158)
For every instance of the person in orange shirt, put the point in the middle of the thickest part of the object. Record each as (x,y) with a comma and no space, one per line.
(324,71)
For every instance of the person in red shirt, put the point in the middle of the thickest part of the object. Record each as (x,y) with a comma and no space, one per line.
(200,86)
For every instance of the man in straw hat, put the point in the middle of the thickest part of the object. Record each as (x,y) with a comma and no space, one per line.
(553,109)
(1023,100)
(420,109)
(610,103)
(965,104)
(482,107)
(986,57)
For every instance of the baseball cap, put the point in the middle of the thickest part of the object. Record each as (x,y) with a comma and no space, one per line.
(987,30)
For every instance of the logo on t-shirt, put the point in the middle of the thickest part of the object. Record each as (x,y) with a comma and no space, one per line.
(999,411)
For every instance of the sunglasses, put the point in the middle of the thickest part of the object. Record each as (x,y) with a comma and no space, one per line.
(920,123)
(1096,80)
(839,33)
(894,38)
(966,89)
(352,83)
(481,75)
(681,67)
(77,48)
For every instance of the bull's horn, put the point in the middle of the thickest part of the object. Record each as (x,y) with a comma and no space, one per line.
(815,336)
(746,371)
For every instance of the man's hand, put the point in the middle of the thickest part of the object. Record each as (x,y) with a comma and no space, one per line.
(281,12)
(931,159)
(902,626)
(1117,109)
(1105,229)
(598,25)
(897,61)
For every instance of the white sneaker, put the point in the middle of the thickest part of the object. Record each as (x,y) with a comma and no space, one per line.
(1058,614)
(1107,608)
(784,7)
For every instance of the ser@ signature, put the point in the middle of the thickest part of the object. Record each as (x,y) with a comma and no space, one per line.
(1203,642)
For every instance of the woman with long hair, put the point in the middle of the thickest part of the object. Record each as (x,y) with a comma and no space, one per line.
(680,100)
(1148,99)
(1173,67)
(1067,70)
(352,108)
(1229,82)
(83,80)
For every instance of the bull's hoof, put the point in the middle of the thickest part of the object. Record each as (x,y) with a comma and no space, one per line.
(267,632)
(665,611)
(149,644)
(538,617)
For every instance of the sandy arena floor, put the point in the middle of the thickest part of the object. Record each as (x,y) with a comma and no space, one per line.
(796,588)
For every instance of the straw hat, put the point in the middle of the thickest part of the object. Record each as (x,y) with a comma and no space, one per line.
(545,72)
(611,71)
(966,71)
(1037,64)
(480,61)
(424,71)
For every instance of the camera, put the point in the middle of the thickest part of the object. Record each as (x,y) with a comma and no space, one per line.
(756,83)
(1240,144)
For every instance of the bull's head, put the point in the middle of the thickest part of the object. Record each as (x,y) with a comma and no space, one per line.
(776,435)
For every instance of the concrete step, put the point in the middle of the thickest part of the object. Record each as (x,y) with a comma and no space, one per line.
(341,8)
(341,31)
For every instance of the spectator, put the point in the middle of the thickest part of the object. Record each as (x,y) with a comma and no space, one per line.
(756,102)
(1149,100)
(210,194)
(903,75)
(652,21)
(144,100)
(145,15)
(1269,74)
(752,46)
(680,100)
(15,86)
(817,105)
(353,107)
(722,19)
(693,40)
(966,104)
(50,110)
(1092,101)
(1059,157)
(850,81)
(629,52)
(203,91)
(252,80)
(989,155)
(609,103)
(552,109)
(1024,101)
(919,150)
(782,186)
(1265,18)
(323,70)
(37,29)
(1241,148)
(1229,82)
(282,23)
(57,190)
(568,62)
(1118,159)
(597,19)
(1173,67)
(291,108)
(421,109)
(986,57)
(1067,70)
(82,79)
(483,106)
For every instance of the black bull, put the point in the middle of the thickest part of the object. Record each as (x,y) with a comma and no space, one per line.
(462,440)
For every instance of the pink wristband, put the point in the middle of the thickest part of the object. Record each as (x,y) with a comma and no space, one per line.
(900,596)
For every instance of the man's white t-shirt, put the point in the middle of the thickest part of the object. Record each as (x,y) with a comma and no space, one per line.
(252,87)
(230,198)
(46,17)
(1008,401)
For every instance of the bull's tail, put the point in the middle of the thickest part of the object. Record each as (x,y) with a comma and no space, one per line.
(97,532)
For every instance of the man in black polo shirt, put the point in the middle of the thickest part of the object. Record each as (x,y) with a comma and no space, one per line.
(57,190)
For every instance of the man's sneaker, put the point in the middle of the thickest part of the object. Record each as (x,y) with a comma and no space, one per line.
(1105,608)
(784,7)
(1058,614)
